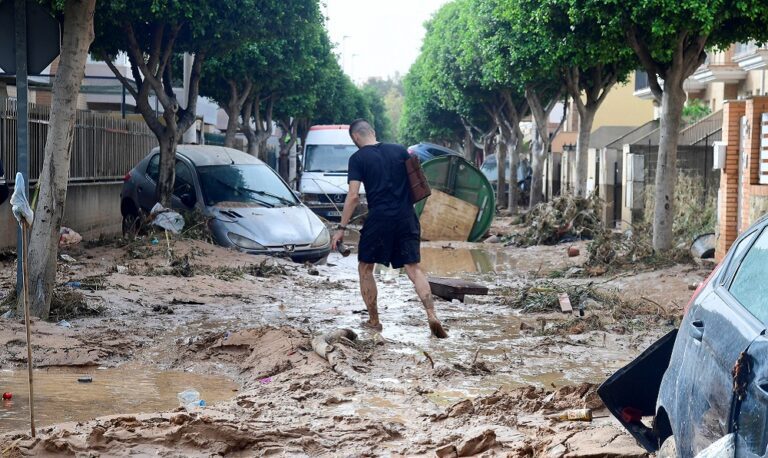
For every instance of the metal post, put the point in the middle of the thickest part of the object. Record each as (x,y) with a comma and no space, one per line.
(22,117)
(122,103)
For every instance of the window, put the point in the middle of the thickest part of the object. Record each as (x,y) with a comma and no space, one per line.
(749,286)
(183,182)
(328,158)
(244,185)
(153,169)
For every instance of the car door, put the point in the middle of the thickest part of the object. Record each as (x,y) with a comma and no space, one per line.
(146,186)
(184,190)
(718,329)
(749,286)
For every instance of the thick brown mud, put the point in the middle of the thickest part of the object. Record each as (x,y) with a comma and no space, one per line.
(233,325)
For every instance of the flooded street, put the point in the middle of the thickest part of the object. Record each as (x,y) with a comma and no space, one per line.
(240,330)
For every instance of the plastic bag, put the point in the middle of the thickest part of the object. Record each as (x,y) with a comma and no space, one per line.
(167,219)
(20,205)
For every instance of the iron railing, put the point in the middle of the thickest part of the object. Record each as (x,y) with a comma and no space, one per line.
(104,147)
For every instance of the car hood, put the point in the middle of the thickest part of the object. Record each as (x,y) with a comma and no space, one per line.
(295,225)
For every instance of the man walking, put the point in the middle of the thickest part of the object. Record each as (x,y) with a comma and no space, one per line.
(391,234)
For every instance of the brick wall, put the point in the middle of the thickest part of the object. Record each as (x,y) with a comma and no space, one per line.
(754,196)
(729,180)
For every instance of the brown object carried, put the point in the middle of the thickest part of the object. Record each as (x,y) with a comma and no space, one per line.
(418,182)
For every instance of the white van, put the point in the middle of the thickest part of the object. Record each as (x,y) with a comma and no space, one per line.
(323,183)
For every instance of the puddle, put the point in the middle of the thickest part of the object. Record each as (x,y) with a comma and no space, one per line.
(455,261)
(60,398)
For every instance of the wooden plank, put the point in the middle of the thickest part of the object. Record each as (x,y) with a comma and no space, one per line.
(565,303)
(455,288)
(447,218)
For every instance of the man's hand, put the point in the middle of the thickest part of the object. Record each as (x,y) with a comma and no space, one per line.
(338,236)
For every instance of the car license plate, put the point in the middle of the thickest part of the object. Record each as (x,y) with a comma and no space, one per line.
(334,213)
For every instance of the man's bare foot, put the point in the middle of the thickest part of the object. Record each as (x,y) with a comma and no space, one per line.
(373,326)
(437,329)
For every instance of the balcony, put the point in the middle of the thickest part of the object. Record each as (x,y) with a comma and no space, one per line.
(750,56)
(720,67)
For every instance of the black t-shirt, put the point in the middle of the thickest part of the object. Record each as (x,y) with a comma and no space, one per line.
(381,168)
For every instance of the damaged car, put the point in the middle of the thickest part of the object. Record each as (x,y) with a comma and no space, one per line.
(247,205)
(707,380)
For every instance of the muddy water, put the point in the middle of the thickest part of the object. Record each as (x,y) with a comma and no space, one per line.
(59,397)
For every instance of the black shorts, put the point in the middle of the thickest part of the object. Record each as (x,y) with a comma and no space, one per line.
(391,241)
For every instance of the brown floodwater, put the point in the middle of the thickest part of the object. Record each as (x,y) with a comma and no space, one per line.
(59,397)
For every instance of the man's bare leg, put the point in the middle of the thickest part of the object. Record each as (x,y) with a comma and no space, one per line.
(370,294)
(424,292)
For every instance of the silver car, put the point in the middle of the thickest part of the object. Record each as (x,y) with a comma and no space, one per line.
(248,205)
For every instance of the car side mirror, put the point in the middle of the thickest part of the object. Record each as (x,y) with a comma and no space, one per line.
(188,199)
(297,194)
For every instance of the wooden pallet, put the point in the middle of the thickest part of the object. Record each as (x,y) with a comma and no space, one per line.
(454,288)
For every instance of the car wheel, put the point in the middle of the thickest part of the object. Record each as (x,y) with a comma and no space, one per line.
(668,448)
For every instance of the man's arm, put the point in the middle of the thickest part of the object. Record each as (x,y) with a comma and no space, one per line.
(350,204)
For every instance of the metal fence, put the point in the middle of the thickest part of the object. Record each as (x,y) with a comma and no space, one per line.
(104,148)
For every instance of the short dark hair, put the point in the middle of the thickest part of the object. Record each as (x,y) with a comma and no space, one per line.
(360,126)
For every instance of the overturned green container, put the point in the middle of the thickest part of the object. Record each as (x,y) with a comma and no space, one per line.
(457,177)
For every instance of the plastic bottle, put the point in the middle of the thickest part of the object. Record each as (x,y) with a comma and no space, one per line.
(189,399)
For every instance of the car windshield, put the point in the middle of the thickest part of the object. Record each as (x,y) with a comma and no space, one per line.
(490,169)
(254,184)
(328,158)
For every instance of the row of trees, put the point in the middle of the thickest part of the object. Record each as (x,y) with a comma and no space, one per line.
(487,64)
(260,60)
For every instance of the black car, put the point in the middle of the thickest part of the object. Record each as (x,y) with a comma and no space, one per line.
(710,377)
(427,151)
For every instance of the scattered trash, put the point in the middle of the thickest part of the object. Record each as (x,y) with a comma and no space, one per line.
(121,269)
(67,258)
(565,303)
(703,247)
(64,324)
(190,399)
(455,289)
(68,237)
(7,315)
(693,286)
(573,252)
(164,309)
(19,204)
(7,396)
(73,284)
(573,415)
(85,379)
(154,241)
(167,219)
(314,272)
(266,381)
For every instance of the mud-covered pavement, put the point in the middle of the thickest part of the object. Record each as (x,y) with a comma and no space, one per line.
(220,321)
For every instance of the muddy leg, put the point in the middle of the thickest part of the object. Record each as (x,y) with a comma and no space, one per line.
(370,294)
(425,294)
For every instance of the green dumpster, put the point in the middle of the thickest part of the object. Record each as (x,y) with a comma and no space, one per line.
(457,177)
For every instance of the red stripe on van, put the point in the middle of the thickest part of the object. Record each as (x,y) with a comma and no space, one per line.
(337,127)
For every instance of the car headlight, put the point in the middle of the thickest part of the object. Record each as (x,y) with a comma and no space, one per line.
(322,240)
(244,242)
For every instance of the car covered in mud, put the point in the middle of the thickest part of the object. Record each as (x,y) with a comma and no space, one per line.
(247,205)
(709,378)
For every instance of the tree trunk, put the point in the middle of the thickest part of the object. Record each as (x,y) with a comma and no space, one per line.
(286,144)
(672,102)
(538,149)
(233,111)
(514,147)
(168,144)
(501,181)
(44,241)
(581,164)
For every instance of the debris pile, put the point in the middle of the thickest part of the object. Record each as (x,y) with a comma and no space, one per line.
(564,218)
(612,250)
(544,296)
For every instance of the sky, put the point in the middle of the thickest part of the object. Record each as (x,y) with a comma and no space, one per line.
(383,36)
